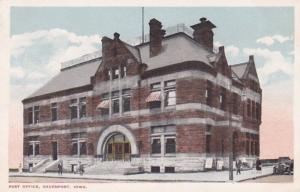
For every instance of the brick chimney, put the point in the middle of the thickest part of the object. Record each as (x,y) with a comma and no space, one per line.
(203,33)
(156,36)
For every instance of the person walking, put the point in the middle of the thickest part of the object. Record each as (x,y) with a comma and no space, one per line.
(238,167)
(60,168)
(258,165)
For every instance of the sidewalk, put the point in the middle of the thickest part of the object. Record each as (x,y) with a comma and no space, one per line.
(210,176)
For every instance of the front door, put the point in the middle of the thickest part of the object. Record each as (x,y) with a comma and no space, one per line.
(54,150)
(118,148)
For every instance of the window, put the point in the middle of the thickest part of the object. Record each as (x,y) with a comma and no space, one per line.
(123,71)
(247,147)
(253,110)
(30,149)
(170,145)
(207,144)
(248,108)
(258,111)
(169,169)
(208,93)
(155,102)
(115,102)
(155,169)
(235,106)
(222,98)
(82,148)
(115,73)
(34,146)
(36,116)
(163,139)
(156,146)
(30,115)
(73,108)
(53,111)
(82,107)
(170,93)
(79,143)
(126,100)
(105,109)
(37,149)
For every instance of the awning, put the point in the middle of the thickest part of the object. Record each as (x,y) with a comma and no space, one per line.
(154,96)
(103,104)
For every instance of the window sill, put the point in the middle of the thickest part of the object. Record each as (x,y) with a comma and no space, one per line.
(155,155)
(170,155)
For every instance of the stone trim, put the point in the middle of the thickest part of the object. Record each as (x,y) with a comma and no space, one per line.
(182,121)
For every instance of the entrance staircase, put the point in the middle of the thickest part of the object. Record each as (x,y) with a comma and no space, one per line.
(112,167)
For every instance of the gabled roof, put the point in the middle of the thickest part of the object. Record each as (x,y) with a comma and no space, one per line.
(239,69)
(76,76)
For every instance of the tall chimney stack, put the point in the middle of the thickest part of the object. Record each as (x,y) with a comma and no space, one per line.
(203,33)
(156,36)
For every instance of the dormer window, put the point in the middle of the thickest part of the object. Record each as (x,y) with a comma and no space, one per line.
(115,73)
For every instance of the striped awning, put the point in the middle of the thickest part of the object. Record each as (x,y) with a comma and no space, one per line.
(103,104)
(154,96)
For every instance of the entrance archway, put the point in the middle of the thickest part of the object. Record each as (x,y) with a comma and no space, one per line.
(117,148)
(113,135)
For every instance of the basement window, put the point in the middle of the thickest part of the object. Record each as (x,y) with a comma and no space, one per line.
(155,169)
(169,169)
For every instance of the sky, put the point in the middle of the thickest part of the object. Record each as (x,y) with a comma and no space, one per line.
(43,37)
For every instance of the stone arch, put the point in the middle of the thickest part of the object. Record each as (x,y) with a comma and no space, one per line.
(109,131)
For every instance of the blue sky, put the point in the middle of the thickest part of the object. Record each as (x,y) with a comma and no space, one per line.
(45,35)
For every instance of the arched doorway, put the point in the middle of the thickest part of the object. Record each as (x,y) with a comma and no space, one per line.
(117,148)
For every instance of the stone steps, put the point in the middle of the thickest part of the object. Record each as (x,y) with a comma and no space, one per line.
(112,167)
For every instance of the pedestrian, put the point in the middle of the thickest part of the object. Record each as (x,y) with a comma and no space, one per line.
(238,166)
(81,168)
(20,168)
(59,168)
(258,165)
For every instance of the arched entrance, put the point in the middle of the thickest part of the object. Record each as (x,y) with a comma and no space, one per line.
(117,142)
(117,148)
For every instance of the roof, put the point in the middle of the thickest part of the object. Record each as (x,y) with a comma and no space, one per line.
(76,76)
(175,49)
(239,69)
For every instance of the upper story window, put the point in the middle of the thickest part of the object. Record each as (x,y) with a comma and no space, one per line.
(36,117)
(123,71)
(30,115)
(248,107)
(82,107)
(115,73)
(33,114)
(235,106)
(257,111)
(170,93)
(208,93)
(253,110)
(126,100)
(222,99)
(54,111)
(154,99)
(115,102)
(73,108)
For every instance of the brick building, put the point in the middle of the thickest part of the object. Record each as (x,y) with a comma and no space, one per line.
(165,105)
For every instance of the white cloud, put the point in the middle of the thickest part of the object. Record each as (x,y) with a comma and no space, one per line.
(232,50)
(37,56)
(270,40)
(273,62)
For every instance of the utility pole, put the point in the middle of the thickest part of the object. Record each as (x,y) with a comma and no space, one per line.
(230,137)
(143,35)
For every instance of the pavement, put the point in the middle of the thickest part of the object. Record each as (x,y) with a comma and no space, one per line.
(209,176)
